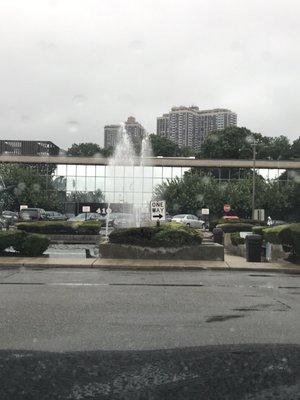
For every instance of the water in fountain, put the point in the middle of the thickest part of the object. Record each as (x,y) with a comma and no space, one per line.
(125,155)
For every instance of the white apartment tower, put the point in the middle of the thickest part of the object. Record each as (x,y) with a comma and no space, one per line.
(188,126)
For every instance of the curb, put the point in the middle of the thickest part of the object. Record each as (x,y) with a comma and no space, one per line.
(284,270)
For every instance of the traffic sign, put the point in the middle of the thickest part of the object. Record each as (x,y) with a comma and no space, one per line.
(205,211)
(86,209)
(23,207)
(158,210)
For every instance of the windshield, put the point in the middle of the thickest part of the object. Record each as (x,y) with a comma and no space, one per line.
(149,199)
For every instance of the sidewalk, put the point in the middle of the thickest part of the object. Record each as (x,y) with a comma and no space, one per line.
(231,263)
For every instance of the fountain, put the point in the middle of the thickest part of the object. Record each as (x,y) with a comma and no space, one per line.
(125,155)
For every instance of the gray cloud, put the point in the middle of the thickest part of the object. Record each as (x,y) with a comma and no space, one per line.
(69,67)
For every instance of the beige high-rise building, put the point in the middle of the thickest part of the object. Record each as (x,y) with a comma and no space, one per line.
(135,130)
(188,126)
(111,133)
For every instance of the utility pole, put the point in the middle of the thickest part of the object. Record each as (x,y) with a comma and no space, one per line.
(254,143)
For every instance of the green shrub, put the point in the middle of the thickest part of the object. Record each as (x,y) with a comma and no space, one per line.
(287,235)
(271,234)
(220,221)
(32,245)
(61,227)
(25,244)
(88,228)
(10,239)
(290,236)
(235,227)
(236,239)
(168,235)
(258,230)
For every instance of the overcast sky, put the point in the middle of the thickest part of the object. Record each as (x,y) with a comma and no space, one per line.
(68,67)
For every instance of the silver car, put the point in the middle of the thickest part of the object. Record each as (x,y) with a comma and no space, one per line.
(189,220)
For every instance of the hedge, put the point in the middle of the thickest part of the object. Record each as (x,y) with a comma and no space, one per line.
(216,222)
(235,227)
(23,243)
(62,227)
(258,230)
(288,235)
(236,239)
(271,234)
(168,235)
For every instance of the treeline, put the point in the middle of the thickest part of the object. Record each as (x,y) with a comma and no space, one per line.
(230,143)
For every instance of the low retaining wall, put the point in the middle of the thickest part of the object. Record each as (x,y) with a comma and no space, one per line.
(239,250)
(207,251)
(275,252)
(74,239)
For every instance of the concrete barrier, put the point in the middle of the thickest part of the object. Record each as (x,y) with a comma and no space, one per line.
(207,251)
(74,239)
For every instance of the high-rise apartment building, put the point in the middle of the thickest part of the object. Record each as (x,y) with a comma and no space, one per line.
(111,135)
(135,130)
(188,126)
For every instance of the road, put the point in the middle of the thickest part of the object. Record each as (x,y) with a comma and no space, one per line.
(164,322)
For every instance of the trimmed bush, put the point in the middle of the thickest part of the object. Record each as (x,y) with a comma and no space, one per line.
(61,227)
(88,228)
(271,234)
(236,239)
(235,227)
(32,245)
(10,239)
(214,223)
(287,235)
(295,238)
(258,230)
(25,244)
(168,235)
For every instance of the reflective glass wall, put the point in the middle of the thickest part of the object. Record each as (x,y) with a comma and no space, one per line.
(119,184)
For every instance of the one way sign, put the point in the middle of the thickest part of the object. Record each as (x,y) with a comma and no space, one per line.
(158,210)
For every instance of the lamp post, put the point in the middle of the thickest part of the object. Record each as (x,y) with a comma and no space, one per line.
(253,144)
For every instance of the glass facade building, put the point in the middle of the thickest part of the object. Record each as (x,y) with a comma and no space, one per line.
(119,184)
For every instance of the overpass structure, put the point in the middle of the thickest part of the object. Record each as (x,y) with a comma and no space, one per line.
(187,162)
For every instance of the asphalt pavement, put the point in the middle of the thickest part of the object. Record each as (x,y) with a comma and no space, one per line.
(92,334)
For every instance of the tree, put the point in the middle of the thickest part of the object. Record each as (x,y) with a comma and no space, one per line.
(29,184)
(295,149)
(161,146)
(197,190)
(88,197)
(84,149)
(89,150)
(236,143)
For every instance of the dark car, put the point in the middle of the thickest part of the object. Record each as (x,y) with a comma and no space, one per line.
(10,217)
(55,216)
(32,214)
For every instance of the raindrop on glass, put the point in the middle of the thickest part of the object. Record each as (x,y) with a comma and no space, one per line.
(79,100)
(73,126)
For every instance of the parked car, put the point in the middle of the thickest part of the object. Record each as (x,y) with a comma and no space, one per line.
(3,223)
(55,216)
(10,217)
(87,217)
(189,220)
(122,220)
(32,214)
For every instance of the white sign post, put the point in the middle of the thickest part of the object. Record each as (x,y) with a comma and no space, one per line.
(259,214)
(205,211)
(108,211)
(158,210)
(86,209)
(23,207)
